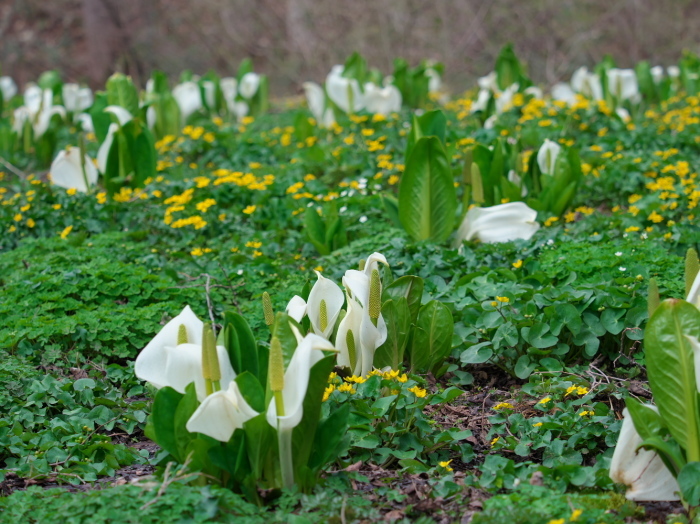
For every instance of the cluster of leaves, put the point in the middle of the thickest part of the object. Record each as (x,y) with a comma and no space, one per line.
(60,427)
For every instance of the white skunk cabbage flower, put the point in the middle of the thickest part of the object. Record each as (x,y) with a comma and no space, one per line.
(316,100)
(103,151)
(221,413)
(501,223)
(344,92)
(67,170)
(586,83)
(296,382)
(76,98)
(563,92)
(188,98)
(250,82)
(165,362)
(547,156)
(622,83)
(382,100)
(642,471)
(8,88)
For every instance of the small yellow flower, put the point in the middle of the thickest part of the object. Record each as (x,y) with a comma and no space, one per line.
(327,393)
(518,264)
(30,222)
(537,424)
(503,405)
(576,389)
(254,244)
(550,221)
(575,515)
(545,400)
(445,464)
(557,521)
(249,210)
(18,217)
(494,441)
(346,388)
(66,232)
(355,379)
(319,269)
(503,300)
(72,191)
(584,413)
(418,392)
(56,206)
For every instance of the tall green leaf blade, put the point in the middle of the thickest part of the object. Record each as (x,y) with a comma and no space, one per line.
(121,91)
(427,200)
(671,370)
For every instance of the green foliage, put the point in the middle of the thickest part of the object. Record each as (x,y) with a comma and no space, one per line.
(537,504)
(427,201)
(59,295)
(326,232)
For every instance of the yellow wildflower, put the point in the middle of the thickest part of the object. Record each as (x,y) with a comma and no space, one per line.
(66,232)
(418,392)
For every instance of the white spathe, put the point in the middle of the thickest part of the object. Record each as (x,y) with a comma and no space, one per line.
(209,89)
(534,91)
(344,92)
(67,170)
(673,71)
(240,109)
(501,223)
(123,115)
(38,109)
(8,88)
(547,156)
(103,151)
(76,98)
(622,83)
(657,74)
(221,414)
(505,99)
(328,291)
(188,98)
(296,308)
(564,93)
(165,363)
(642,471)
(250,82)
(85,122)
(434,80)
(296,382)
(489,82)
(586,83)
(482,100)
(316,100)
(351,322)
(382,100)
(229,89)
(357,283)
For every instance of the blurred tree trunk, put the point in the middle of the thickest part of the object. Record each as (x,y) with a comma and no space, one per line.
(101,37)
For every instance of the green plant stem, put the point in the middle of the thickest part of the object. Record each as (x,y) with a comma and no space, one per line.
(284,441)
(208,386)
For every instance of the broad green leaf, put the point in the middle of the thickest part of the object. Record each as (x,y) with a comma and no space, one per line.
(328,437)
(251,390)
(409,287)
(477,354)
(121,91)
(163,420)
(427,200)
(689,482)
(647,421)
(247,344)
(302,437)
(316,230)
(398,323)
(431,123)
(432,337)
(185,409)
(671,370)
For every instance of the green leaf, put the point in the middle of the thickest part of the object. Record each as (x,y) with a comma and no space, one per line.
(251,390)
(316,230)
(432,337)
(524,367)
(302,437)
(247,346)
(163,420)
(121,91)
(328,438)
(537,336)
(427,200)
(647,421)
(431,123)
(671,370)
(185,409)
(398,323)
(408,286)
(477,354)
(689,482)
